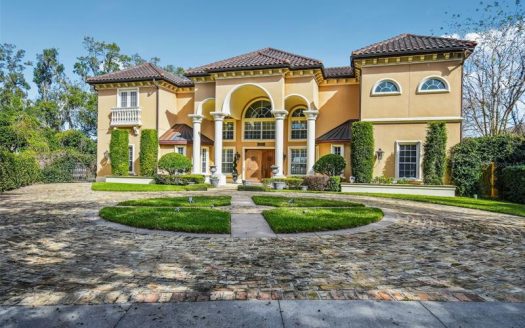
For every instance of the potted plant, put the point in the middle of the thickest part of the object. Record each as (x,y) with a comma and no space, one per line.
(235,173)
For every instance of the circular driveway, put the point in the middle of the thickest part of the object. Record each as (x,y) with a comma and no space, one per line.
(53,252)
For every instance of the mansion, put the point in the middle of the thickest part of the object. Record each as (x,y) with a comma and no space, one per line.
(271,107)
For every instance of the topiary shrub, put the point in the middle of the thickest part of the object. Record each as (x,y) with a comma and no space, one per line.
(362,150)
(334,184)
(118,152)
(149,152)
(434,155)
(291,183)
(179,179)
(330,165)
(383,180)
(316,182)
(513,183)
(174,163)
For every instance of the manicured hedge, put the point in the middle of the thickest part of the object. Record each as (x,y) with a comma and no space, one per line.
(362,150)
(174,163)
(251,188)
(316,182)
(180,179)
(513,183)
(18,170)
(334,184)
(118,152)
(291,183)
(149,152)
(331,165)
(434,155)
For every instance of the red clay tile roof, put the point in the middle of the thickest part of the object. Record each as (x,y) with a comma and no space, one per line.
(146,71)
(341,133)
(263,58)
(406,44)
(337,72)
(181,134)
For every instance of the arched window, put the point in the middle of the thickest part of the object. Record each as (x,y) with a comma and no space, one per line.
(433,84)
(298,128)
(386,87)
(259,123)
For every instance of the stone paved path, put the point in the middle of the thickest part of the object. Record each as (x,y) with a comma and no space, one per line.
(247,220)
(52,251)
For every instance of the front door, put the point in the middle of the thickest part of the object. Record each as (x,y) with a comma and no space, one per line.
(258,164)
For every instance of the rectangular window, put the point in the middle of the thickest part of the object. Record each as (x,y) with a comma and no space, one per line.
(298,161)
(123,99)
(259,130)
(131,159)
(228,130)
(180,150)
(338,150)
(128,98)
(408,161)
(133,98)
(204,160)
(227,160)
(299,129)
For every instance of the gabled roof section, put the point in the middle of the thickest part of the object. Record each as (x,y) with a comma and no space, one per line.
(341,133)
(339,72)
(143,72)
(181,134)
(263,58)
(407,44)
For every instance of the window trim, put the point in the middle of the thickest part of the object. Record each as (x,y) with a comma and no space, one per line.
(232,120)
(132,172)
(418,156)
(395,93)
(244,120)
(432,77)
(222,158)
(290,148)
(207,168)
(177,151)
(119,104)
(332,146)
(291,119)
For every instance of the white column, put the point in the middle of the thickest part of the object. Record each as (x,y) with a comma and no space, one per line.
(311,116)
(279,115)
(196,154)
(219,119)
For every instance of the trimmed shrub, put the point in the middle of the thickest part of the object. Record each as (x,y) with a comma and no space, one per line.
(362,150)
(330,165)
(174,163)
(383,180)
(334,183)
(118,152)
(251,188)
(17,170)
(180,179)
(434,155)
(149,152)
(316,182)
(291,183)
(466,167)
(513,183)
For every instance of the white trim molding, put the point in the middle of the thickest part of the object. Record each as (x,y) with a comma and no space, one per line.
(389,93)
(128,105)
(448,119)
(418,156)
(332,146)
(432,77)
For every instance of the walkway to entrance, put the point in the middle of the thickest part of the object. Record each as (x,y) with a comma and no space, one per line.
(247,220)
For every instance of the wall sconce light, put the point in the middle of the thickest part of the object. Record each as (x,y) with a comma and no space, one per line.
(379,154)
(106,155)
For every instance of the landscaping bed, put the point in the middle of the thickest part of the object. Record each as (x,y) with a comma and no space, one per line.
(191,201)
(278,201)
(109,186)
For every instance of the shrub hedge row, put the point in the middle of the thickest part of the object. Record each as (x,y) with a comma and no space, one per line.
(435,153)
(513,183)
(18,170)
(149,152)
(291,183)
(362,149)
(180,179)
(118,152)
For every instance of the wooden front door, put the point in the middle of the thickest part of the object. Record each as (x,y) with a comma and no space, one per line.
(258,164)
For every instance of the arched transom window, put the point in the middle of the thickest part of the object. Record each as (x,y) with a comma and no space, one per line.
(433,84)
(386,87)
(259,123)
(298,126)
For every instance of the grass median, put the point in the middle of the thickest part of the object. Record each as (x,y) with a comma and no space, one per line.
(186,201)
(279,201)
(112,186)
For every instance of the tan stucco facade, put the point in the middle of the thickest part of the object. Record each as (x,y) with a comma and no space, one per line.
(397,118)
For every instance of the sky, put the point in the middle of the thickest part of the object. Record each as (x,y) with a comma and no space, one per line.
(194,33)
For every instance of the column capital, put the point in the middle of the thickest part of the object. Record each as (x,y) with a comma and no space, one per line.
(218,116)
(197,118)
(279,114)
(311,114)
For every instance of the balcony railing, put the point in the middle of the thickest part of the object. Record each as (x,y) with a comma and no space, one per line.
(129,116)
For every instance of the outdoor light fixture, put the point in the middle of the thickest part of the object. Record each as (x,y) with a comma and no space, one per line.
(106,155)
(379,154)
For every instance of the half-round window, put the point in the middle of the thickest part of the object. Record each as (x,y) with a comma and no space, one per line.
(386,87)
(298,125)
(259,109)
(433,84)
(259,123)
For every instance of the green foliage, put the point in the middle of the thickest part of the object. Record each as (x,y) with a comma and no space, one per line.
(330,165)
(179,179)
(383,180)
(513,183)
(196,201)
(114,186)
(12,66)
(47,72)
(174,163)
(75,139)
(251,188)
(434,155)
(149,152)
(466,166)
(334,184)
(316,182)
(18,170)
(280,201)
(118,152)
(62,165)
(291,183)
(362,149)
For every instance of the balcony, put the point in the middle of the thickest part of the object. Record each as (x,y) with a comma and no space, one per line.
(129,116)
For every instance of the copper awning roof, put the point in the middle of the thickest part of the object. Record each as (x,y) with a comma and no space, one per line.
(181,134)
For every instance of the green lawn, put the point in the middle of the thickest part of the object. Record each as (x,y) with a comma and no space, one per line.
(196,201)
(197,220)
(112,186)
(279,201)
(480,204)
(291,220)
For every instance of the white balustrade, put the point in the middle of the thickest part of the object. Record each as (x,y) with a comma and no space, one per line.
(125,116)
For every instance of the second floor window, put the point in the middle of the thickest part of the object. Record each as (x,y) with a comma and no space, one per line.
(128,98)
(298,124)
(228,130)
(259,123)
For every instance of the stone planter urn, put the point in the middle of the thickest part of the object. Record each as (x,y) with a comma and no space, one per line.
(304,188)
(214,180)
(279,185)
(275,169)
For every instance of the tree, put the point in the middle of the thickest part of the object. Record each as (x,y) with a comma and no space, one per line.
(12,80)
(179,71)
(434,155)
(174,163)
(48,72)
(494,75)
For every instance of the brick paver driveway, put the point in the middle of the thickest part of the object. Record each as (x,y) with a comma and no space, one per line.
(53,252)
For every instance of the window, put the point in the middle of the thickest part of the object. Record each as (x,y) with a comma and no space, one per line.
(433,84)
(386,87)
(408,160)
(298,161)
(131,158)
(204,160)
(259,123)
(180,150)
(228,130)
(128,98)
(338,150)
(298,125)
(227,160)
